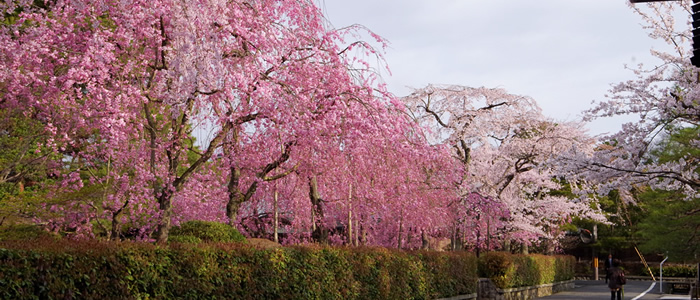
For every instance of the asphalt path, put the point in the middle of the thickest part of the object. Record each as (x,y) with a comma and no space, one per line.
(592,289)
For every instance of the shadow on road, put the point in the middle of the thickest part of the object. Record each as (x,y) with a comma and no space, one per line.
(598,289)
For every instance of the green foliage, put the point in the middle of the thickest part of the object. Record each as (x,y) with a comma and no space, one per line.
(670,225)
(103,270)
(24,232)
(184,239)
(662,221)
(670,221)
(11,18)
(679,145)
(452,272)
(619,234)
(512,270)
(497,266)
(206,231)
(687,271)
(22,165)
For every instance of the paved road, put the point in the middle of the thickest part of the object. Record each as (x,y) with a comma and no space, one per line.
(590,289)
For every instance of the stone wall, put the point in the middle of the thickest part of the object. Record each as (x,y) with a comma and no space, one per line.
(461,297)
(488,291)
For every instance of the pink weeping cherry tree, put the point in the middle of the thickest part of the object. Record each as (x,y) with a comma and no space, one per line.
(122,88)
(367,183)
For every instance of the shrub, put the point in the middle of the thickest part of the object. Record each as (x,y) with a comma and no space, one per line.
(61,269)
(675,271)
(449,273)
(205,231)
(496,266)
(184,239)
(25,232)
(513,270)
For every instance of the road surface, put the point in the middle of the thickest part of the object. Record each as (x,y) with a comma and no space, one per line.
(634,290)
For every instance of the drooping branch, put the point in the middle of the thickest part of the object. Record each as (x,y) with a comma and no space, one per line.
(467,152)
(213,145)
(151,128)
(277,162)
(434,114)
(695,184)
(492,106)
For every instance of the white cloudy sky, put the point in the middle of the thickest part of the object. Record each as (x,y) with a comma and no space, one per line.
(562,53)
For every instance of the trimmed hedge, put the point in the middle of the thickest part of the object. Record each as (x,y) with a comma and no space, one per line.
(687,271)
(103,270)
(204,231)
(51,269)
(513,270)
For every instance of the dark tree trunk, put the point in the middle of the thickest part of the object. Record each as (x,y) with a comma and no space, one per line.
(319,231)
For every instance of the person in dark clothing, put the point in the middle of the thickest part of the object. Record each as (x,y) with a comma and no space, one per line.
(616,280)
(608,266)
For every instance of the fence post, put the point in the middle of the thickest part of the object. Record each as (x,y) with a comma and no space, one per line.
(595,268)
(661,275)
(696,294)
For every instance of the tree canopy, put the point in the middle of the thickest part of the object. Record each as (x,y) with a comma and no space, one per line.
(132,117)
(122,87)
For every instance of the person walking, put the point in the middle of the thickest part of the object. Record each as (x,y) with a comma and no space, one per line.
(616,281)
(608,266)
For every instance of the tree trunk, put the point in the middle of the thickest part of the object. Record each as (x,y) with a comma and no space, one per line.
(361,233)
(358,231)
(165,201)
(237,195)
(409,237)
(276,219)
(115,232)
(488,232)
(349,229)
(234,196)
(478,234)
(457,238)
(320,233)
(400,238)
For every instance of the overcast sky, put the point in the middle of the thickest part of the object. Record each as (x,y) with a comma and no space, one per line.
(562,53)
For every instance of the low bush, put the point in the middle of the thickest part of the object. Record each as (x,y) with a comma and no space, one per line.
(25,232)
(205,231)
(676,271)
(184,239)
(54,268)
(60,269)
(497,266)
(452,273)
(512,270)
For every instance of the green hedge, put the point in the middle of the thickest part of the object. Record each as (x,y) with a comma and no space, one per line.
(25,232)
(204,231)
(513,270)
(53,269)
(675,271)
(102,270)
